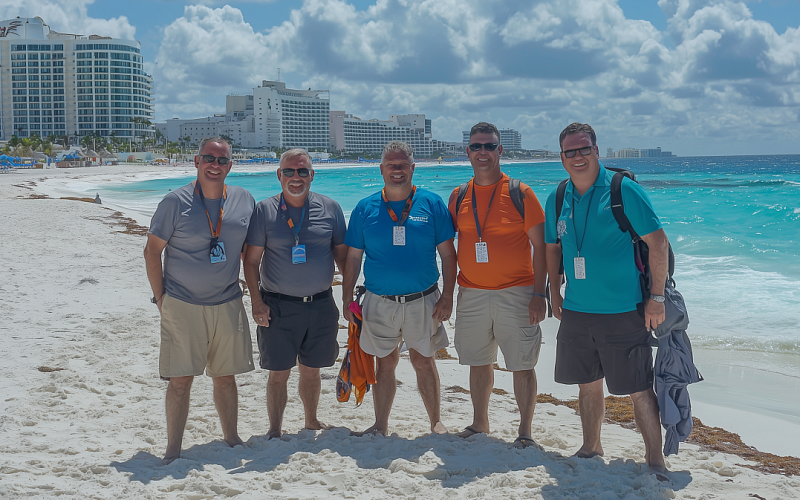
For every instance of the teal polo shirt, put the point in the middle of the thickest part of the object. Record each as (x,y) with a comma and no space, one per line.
(612,280)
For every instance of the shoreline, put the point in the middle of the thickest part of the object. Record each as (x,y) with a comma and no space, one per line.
(728,404)
(83,406)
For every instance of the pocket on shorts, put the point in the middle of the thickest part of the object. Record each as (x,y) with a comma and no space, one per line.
(530,343)
(639,354)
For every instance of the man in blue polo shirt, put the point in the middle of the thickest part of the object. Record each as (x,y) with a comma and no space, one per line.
(400,228)
(602,336)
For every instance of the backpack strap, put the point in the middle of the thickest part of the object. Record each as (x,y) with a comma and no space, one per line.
(618,208)
(462,191)
(517,196)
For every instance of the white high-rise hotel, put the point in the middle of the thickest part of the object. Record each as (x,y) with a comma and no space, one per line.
(71,85)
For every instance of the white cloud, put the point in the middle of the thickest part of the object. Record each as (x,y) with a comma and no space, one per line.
(724,81)
(68,16)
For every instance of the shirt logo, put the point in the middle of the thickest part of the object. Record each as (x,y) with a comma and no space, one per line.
(561,228)
(423,218)
(244,221)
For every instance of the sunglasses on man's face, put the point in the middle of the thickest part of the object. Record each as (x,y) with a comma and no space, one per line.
(570,153)
(489,146)
(222,160)
(289,172)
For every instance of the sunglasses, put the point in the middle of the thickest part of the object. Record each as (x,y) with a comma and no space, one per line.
(570,153)
(219,159)
(289,172)
(489,146)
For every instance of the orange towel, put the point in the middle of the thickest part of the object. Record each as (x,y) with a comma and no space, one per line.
(358,368)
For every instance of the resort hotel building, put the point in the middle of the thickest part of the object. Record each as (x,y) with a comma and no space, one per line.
(352,134)
(510,139)
(71,85)
(271,117)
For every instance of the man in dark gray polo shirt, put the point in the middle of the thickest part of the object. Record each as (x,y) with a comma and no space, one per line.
(202,226)
(294,239)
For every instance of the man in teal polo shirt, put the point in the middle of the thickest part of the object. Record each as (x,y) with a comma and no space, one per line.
(400,229)
(602,336)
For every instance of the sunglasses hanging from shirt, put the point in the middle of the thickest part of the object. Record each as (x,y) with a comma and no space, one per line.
(217,248)
(399,231)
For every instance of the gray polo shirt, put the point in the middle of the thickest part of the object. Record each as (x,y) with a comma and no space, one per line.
(323,227)
(181,221)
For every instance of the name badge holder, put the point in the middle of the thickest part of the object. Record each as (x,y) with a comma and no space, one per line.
(399,231)
(481,249)
(216,250)
(579,263)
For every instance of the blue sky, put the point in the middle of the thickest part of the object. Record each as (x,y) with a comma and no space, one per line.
(697,77)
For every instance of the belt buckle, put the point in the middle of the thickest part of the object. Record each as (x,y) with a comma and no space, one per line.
(402,299)
(310,298)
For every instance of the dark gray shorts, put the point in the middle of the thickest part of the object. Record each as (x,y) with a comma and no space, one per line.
(611,346)
(299,331)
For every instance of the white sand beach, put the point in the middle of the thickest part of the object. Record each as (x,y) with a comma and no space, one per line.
(83,407)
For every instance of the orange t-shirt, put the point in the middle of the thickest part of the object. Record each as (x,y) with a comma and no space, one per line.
(504,232)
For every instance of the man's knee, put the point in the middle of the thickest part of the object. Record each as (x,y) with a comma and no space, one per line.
(279,377)
(226,382)
(644,398)
(389,362)
(420,362)
(307,373)
(180,385)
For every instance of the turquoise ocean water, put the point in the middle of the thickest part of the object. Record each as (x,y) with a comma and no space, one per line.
(734,223)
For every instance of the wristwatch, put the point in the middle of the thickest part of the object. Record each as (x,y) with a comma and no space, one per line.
(657,298)
(154,300)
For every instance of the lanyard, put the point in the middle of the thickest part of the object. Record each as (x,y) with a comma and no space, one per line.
(406,209)
(214,233)
(295,229)
(475,208)
(586,222)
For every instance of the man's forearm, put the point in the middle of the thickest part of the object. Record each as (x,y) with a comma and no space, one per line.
(540,270)
(251,277)
(554,257)
(352,268)
(449,273)
(155,273)
(658,247)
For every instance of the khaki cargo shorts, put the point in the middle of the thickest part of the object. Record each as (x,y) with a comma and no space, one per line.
(486,319)
(214,339)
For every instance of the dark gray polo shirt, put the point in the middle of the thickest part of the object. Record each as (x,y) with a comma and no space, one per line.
(322,228)
(181,221)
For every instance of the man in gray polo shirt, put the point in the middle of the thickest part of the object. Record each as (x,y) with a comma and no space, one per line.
(294,239)
(202,226)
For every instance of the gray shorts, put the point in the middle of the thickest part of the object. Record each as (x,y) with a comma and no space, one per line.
(486,319)
(299,331)
(387,322)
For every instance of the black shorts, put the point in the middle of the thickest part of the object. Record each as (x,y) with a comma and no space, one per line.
(615,346)
(299,331)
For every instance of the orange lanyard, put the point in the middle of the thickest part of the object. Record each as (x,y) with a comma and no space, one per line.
(199,190)
(406,209)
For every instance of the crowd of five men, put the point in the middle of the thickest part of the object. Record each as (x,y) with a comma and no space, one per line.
(507,245)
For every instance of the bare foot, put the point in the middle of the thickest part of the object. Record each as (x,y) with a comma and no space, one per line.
(316,425)
(274,434)
(439,428)
(588,453)
(469,431)
(371,431)
(235,441)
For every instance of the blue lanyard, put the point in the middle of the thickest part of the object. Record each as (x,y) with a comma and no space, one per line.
(295,228)
(586,221)
(475,207)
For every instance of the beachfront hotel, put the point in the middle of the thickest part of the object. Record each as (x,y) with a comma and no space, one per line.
(352,134)
(273,116)
(71,85)
(510,139)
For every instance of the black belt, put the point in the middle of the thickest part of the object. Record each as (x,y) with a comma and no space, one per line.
(402,299)
(292,298)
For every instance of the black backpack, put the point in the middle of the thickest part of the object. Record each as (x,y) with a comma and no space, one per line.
(640,250)
(513,191)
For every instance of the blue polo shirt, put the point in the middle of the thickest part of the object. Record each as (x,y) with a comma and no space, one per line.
(612,280)
(400,270)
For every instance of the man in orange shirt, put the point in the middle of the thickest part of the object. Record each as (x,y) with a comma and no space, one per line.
(501,296)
